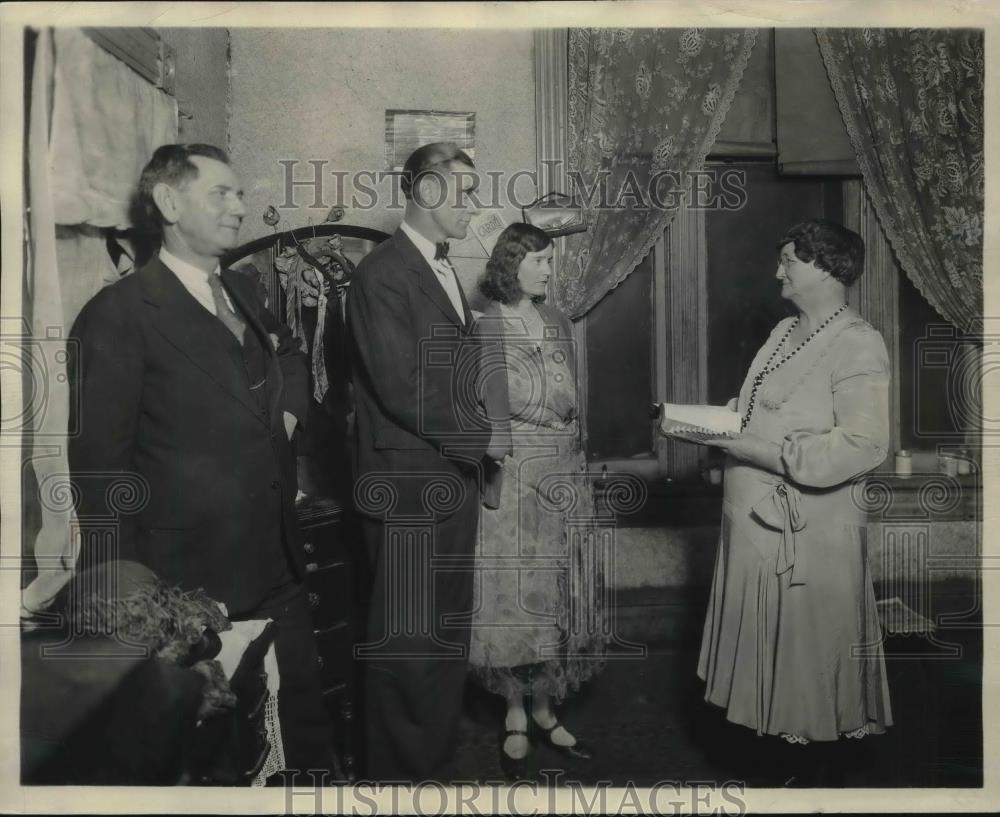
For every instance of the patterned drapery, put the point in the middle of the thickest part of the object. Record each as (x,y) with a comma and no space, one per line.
(912,100)
(645,106)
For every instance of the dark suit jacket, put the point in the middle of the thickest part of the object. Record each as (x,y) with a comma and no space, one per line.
(159,389)
(493,380)
(415,375)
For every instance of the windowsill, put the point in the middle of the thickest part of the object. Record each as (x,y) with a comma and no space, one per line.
(930,496)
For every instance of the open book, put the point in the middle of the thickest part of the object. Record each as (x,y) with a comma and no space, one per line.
(697,423)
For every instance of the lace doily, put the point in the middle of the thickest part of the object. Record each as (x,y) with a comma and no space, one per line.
(276,757)
(275,761)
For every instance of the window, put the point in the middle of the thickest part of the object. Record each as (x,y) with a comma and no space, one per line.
(684,327)
(686,324)
(619,352)
(934,403)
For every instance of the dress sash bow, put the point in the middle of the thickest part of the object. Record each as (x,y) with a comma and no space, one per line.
(781,510)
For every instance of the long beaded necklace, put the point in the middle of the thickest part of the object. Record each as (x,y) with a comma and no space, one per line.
(768,368)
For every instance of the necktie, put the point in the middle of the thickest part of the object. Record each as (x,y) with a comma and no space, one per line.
(446,275)
(223,310)
(441,251)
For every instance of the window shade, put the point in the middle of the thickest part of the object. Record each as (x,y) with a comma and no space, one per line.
(812,137)
(142,50)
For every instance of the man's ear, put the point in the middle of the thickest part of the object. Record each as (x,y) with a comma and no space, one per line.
(429,191)
(165,198)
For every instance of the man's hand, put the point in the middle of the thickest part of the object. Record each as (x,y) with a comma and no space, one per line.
(498,449)
(290,423)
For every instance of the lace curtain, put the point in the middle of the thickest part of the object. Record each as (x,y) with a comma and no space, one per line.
(912,100)
(645,106)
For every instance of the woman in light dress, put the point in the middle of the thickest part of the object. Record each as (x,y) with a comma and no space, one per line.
(539,628)
(792,645)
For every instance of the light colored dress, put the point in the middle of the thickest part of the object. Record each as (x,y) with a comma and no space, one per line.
(792,643)
(539,593)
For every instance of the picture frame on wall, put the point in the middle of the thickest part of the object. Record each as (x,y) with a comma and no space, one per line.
(406,130)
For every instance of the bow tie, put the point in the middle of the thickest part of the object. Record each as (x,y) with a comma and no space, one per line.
(441,251)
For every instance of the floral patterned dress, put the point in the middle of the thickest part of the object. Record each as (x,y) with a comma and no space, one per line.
(792,644)
(539,621)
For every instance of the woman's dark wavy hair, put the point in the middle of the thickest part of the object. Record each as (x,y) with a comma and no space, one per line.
(834,248)
(500,283)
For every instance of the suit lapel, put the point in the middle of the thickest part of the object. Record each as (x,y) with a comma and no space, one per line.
(465,306)
(193,331)
(428,280)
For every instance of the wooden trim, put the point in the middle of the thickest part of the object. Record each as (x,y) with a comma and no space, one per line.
(551,108)
(551,115)
(876,295)
(582,379)
(551,51)
(826,167)
(661,345)
(686,330)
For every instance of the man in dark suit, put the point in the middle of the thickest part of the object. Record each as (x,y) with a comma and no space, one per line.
(421,443)
(183,380)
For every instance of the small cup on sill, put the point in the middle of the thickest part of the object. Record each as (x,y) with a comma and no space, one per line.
(948,464)
(904,463)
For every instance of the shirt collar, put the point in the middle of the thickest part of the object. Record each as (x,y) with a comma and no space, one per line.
(424,245)
(182,268)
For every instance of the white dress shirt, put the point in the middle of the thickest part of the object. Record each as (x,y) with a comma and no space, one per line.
(442,268)
(194,280)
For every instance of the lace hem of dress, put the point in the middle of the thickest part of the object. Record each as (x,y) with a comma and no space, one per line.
(858,733)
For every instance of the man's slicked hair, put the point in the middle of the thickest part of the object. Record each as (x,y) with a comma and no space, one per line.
(426,158)
(171,164)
